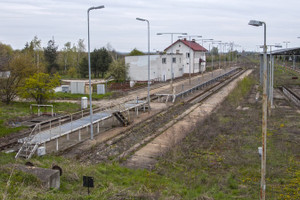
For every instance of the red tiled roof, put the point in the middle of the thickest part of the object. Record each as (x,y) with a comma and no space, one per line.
(192,44)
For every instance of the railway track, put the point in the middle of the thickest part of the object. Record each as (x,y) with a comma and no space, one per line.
(125,144)
(291,95)
(294,69)
(11,142)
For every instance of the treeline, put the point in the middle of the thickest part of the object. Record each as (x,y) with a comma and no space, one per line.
(71,60)
(17,66)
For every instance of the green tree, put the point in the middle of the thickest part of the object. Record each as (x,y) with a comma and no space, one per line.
(21,66)
(50,53)
(80,51)
(66,55)
(84,68)
(6,53)
(40,87)
(36,43)
(34,49)
(136,52)
(100,61)
(118,70)
(72,72)
(214,51)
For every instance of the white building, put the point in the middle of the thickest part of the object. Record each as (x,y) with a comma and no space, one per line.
(191,52)
(160,65)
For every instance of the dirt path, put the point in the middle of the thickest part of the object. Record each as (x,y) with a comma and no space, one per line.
(146,156)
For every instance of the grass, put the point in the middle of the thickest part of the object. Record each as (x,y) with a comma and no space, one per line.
(219,160)
(111,181)
(18,111)
(241,90)
(69,96)
(283,76)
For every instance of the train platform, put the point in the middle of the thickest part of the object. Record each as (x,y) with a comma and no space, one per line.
(84,122)
(183,88)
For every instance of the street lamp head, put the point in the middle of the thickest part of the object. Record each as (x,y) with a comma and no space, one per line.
(255,23)
(207,39)
(97,7)
(171,33)
(140,19)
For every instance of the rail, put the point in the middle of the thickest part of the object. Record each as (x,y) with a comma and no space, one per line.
(291,95)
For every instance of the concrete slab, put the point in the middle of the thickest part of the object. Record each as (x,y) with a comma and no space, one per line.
(50,178)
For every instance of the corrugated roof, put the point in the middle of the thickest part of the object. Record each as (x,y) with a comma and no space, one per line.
(192,44)
(288,51)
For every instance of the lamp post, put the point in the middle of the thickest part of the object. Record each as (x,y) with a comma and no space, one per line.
(264,114)
(171,82)
(286,43)
(89,60)
(212,56)
(148,24)
(190,37)
(271,76)
(209,41)
(219,43)
(203,40)
(225,55)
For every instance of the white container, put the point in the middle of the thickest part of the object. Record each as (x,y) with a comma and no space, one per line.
(77,87)
(84,102)
(41,151)
(100,89)
(131,83)
(260,151)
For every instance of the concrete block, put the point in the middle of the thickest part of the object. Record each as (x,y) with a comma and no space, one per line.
(49,177)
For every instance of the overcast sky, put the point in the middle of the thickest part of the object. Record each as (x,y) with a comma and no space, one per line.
(225,20)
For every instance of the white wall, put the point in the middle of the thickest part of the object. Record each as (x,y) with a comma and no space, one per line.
(198,56)
(138,67)
(181,48)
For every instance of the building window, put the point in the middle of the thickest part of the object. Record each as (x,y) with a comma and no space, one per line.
(174,60)
(177,51)
(187,55)
(179,45)
(164,60)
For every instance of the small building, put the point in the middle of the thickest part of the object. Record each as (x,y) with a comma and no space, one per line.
(177,57)
(191,52)
(160,67)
